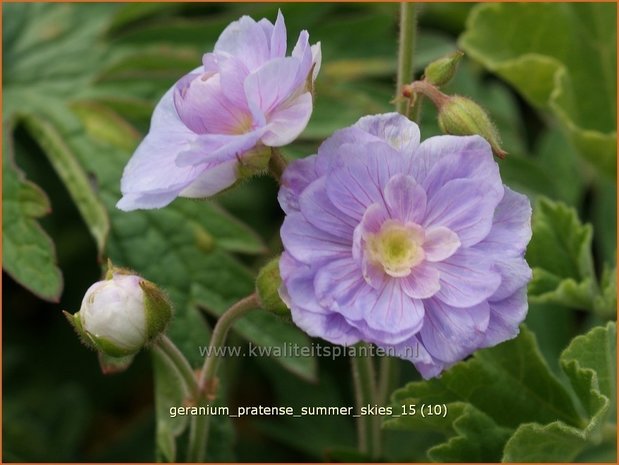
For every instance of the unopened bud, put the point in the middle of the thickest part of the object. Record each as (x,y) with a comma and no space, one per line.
(268,283)
(121,314)
(461,116)
(441,71)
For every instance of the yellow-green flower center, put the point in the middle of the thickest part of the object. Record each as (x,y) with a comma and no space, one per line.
(396,247)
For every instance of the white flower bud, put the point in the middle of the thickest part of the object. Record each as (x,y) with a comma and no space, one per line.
(121,314)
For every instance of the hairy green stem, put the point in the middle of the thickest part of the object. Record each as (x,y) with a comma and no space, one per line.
(207,381)
(408,32)
(277,164)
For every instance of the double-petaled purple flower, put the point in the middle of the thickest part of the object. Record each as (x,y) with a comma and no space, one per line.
(248,95)
(417,248)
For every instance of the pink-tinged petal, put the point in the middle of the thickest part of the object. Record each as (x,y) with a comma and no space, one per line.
(298,175)
(464,206)
(203,107)
(422,283)
(449,334)
(440,243)
(468,277)
(270,85)
(212,149)
(316,59)
(397,130)
(318,209)
(373,274)
(390,311)
(233,73)
(405,199)
(212,180)
(505,316)
(511,226)
(373,219)
(246,40)
(286,122)
(362,173)
(309,244)
(151,179)
(441,159)
(303,52)
(337,284)
(278,38)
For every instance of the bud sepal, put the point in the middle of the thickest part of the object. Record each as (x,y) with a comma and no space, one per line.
(268,283)
(441,71)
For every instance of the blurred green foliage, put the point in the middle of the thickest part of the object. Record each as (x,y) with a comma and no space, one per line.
(80,82)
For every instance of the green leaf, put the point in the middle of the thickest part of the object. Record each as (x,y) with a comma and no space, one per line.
(605,304)
(561,58)
(76,181)
(560,255)
(590,363)
(478,439)
(506,385)
(170,391)
(555,442)
(28,254)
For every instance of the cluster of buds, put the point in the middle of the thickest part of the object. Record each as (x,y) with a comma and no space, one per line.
(120,315)
(457,115)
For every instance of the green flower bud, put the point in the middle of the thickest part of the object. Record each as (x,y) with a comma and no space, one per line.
(461,116)
(441,71)
(268,283)
(121,314)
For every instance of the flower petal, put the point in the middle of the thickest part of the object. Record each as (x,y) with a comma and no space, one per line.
(151,179)
(320,211)
(270,85)
(337,284)
(405,199)
(505,316)
(390,311)
(467,278)
(212,180)
(395,129)
(422,283)
(449,334)
(363,172)
(246,40)
(278,38)
(440,243)
(203,107)
(465,207)
(286,122)
(511,226)
(441,159)
(298,175)
(309,244)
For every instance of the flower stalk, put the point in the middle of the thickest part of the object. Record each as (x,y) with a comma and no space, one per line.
(207,380)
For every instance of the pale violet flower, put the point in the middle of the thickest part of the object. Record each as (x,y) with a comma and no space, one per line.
(246,96)
(417,248)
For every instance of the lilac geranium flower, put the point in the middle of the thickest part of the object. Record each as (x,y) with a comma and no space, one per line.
(248,95)
(417,248)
